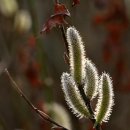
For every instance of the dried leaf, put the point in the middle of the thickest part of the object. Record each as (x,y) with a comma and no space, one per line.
(53,21)
(61,9)
(57,19)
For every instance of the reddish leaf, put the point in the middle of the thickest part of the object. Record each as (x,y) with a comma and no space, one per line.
(57,19)
(53,21)
(61,9)
(76,2)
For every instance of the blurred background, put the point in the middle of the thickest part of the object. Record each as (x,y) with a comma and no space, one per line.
(36,61)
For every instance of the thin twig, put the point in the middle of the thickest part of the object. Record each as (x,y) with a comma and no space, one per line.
(66,53)
(88,104)
(64,38)
(39,112)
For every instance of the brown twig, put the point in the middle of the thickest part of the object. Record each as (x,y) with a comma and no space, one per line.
(66,53)
(88,104)
(64,38)
(39,112)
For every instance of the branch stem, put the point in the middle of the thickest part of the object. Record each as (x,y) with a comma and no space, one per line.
(64,38)
(40,113)
(66,53)
(88,104)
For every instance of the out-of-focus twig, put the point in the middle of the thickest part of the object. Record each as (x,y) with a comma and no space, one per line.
(39,112)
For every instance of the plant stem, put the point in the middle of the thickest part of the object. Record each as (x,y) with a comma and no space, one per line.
(64,38)
(39,112)
(88,104)
(66,53)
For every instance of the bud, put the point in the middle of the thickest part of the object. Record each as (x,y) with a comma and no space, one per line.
(22,21)
(8,7)
(73,97)
(91,80)
(76,54)
(105,100)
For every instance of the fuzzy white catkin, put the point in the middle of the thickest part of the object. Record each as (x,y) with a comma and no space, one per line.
(76,54)
(8,7)
(58,113)
(105,100)
(73,97)
(91,80)
(22,21)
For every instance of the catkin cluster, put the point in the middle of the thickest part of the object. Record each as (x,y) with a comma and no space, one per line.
(83,73)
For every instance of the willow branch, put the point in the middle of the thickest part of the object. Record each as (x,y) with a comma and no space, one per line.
(40,113)
(66,53)
(88,104)
(64,38)
(86,100)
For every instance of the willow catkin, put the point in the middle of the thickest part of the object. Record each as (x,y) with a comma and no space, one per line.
(73,97)
(91,80)
(105,100)
(76,54)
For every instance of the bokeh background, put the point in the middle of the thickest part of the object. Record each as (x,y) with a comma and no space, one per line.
(36,61)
